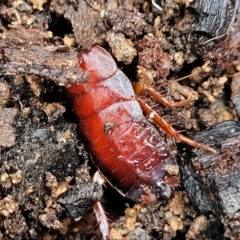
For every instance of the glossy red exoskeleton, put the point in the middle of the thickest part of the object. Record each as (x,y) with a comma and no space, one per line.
(126,148)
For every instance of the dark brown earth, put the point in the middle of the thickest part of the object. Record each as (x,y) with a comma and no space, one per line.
(45,166)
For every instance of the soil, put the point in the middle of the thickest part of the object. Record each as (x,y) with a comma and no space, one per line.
(181,48)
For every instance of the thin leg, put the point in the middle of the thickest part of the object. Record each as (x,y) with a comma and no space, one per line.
(156,5)
(99,211)
(99,178)
(170,130)
(160,98)
(102,220)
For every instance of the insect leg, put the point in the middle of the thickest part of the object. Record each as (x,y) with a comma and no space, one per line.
(159,97)
(156,5)
(170,130)
(99,211)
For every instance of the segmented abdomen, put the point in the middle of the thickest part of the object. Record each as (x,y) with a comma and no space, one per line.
(126,148)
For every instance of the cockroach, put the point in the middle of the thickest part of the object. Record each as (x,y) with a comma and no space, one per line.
(127,149)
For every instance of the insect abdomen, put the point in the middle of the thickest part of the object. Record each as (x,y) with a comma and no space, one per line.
(127,149)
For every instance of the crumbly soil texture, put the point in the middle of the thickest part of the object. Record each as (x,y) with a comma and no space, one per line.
(184,49)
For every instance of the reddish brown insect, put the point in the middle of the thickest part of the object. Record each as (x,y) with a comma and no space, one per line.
(126,148)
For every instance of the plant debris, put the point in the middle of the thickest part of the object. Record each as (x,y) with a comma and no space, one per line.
(45,182)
